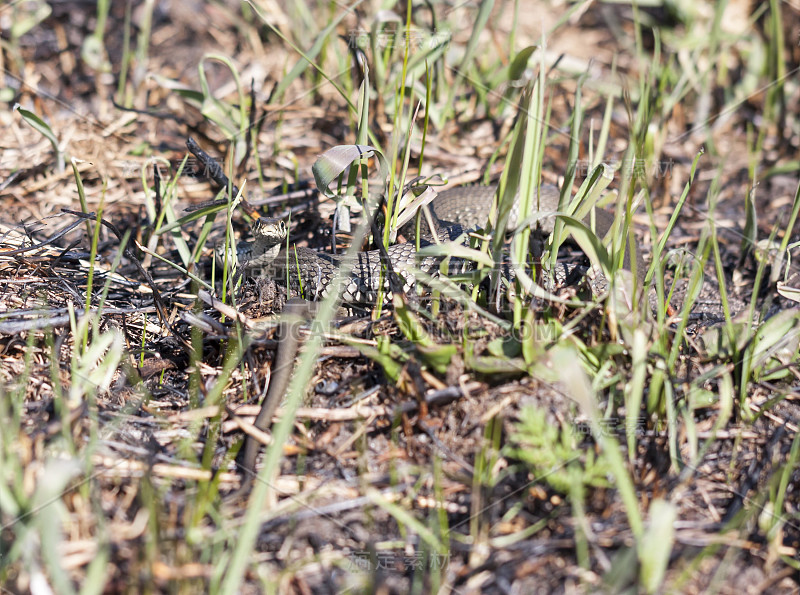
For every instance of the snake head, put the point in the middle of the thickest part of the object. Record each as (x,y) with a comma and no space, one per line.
(268,231)
(268,235)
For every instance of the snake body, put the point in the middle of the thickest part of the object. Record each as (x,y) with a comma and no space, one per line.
(454,211)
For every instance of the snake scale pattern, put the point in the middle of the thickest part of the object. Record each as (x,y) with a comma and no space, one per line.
(454,211)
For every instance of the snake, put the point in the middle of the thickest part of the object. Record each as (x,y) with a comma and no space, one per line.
(453,211)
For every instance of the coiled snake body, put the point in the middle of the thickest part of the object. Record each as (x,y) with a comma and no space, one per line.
(454,211)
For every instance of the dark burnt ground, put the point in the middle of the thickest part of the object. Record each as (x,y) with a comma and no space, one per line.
(118,440)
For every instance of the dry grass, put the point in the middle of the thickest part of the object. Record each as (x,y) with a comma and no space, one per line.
(642,452)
